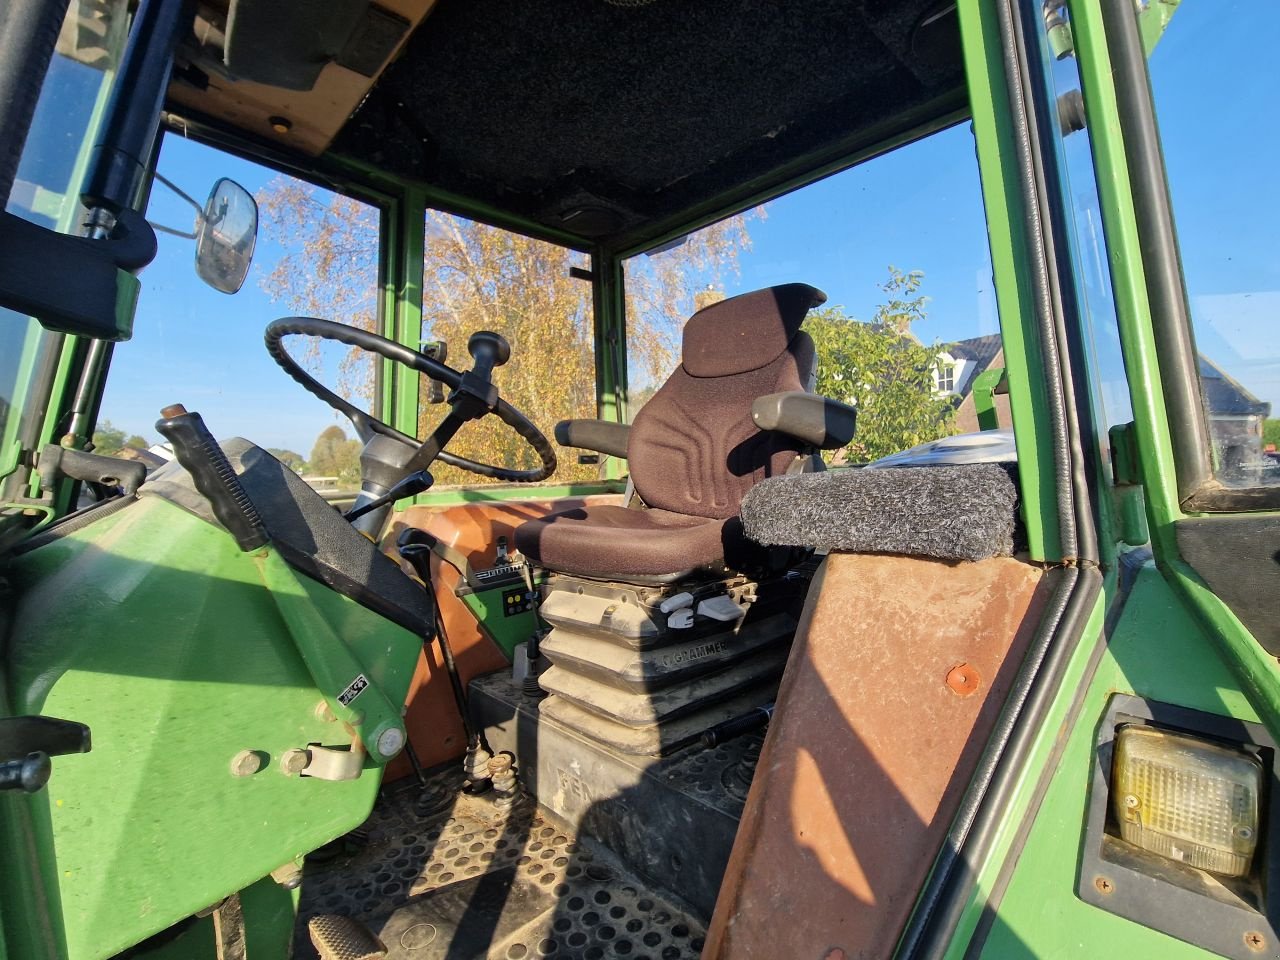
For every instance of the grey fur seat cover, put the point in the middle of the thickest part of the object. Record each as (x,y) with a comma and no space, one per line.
(949,512)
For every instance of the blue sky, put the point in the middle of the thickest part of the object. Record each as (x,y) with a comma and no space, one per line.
(917,208)
(196,346)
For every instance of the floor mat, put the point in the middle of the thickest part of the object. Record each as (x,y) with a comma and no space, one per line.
(473,881)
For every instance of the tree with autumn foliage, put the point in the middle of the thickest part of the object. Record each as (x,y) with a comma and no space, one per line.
(478,277)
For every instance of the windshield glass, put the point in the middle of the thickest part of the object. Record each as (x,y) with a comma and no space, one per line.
(317,255)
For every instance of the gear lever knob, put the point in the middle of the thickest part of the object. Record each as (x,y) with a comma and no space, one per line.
(487,345)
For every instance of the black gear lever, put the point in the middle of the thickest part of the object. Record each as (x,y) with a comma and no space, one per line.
(476,394)
(489,350)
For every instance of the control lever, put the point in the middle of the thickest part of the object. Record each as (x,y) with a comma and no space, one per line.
(477,394)
(410,486)
(414,549)
(201,456)
(489,350)
(27,743)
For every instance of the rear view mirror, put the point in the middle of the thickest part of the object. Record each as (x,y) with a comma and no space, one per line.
(226,235)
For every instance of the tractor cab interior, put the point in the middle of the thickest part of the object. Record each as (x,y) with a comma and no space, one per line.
(639,713)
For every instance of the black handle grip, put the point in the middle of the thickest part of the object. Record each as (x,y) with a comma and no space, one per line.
(201,456)
(489,350)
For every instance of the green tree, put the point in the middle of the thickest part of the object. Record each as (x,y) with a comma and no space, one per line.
(290,459)
(110,440)
(335,456)
(1271,432)
(884,370)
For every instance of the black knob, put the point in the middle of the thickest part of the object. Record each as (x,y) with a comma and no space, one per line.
(487,345)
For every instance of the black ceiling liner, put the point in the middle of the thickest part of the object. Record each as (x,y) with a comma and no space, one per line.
(602,118)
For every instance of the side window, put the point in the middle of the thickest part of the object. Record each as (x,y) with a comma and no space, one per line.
(1111,400)
(1213,84)
(478,277)
(46,191)
(317,255)
(899,244)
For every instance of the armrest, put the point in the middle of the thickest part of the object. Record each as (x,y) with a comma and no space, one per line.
(601,436)
(826,424)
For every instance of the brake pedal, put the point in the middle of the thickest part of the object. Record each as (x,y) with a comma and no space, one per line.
(341,938)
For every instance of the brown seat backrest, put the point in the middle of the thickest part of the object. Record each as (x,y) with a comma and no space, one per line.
(694,448)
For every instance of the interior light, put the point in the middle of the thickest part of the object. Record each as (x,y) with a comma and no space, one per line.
(1187,799)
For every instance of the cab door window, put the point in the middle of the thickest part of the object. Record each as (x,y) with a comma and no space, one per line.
(46,191)
(1212,78)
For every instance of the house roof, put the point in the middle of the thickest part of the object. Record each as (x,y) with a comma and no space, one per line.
(1223,395)
(981,350)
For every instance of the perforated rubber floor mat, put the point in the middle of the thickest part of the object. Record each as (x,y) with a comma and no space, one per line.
(473,881)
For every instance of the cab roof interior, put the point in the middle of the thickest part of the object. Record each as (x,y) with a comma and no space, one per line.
(615,120)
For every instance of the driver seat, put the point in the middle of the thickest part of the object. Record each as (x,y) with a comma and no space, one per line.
(715,428)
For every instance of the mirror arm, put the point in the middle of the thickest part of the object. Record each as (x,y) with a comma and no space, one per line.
(172,231)
(174,187)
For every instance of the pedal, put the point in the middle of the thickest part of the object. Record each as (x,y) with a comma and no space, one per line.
(341,938)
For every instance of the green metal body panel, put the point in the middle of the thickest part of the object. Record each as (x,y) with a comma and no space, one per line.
(501,492)
(269,914)
(180,652)
(1006,218)
(487,607)
(984,389)
(1157,650)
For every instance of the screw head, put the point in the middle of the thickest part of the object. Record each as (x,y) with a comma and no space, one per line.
(1103,885)
(1255,941)
(246,763)
(1130,801)
(963,679)
(294,761)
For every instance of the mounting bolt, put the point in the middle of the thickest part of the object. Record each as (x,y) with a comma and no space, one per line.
(1130,800)
(294,762)
(963,679)
(389,740)
(246,763)
(1255,941)
(288,876)
(1104,885)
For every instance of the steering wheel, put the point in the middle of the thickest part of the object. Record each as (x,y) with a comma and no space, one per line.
(488,349)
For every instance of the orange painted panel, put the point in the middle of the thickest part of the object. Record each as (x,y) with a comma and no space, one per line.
(899,669)
(431,720)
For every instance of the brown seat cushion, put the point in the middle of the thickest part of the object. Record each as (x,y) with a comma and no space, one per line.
(600,540)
